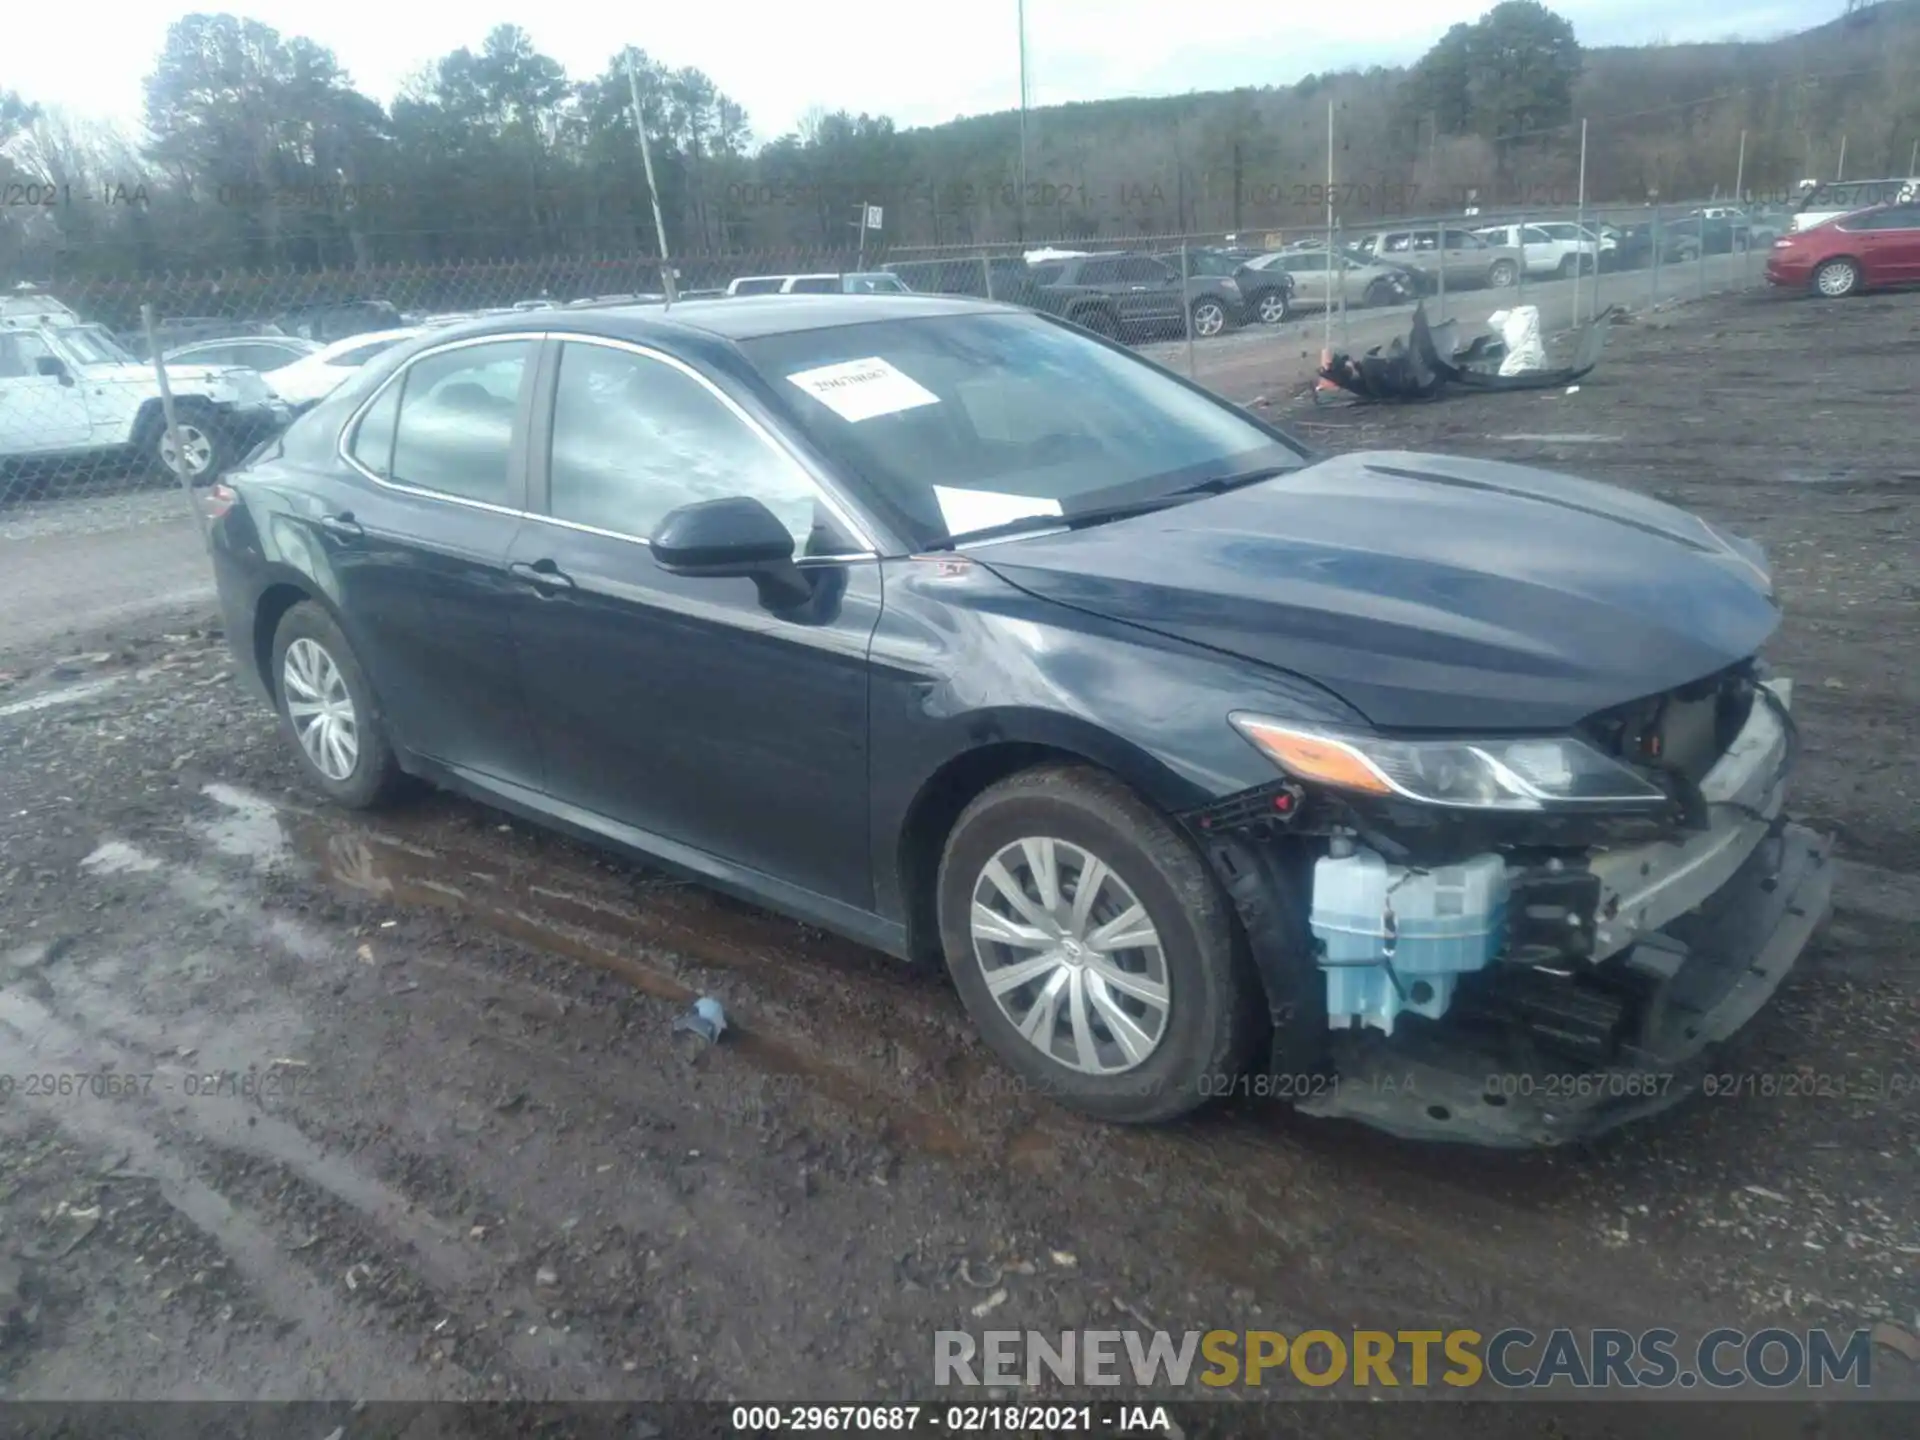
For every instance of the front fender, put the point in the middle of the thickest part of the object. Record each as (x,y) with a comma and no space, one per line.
(966,665)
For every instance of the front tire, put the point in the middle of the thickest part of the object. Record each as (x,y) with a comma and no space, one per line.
(1209,318)
(329,712)
(1100,322)
(1502,274)
(1093,948)
(1837,279)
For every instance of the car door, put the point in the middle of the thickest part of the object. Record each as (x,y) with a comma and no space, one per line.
(1889,245)
(1152,295)
(686,708)
(416,536)
(40,414)
(1310,277)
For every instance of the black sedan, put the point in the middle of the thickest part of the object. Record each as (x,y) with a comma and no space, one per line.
(1192,753)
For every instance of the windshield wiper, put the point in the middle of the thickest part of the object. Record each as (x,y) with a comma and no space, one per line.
(1069,520)
(1220,484)
(1100,514)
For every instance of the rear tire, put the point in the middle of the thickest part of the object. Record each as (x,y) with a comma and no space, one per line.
(1502,273)
(1836,279)
(329,712)
(1272,307)
(1132,1033)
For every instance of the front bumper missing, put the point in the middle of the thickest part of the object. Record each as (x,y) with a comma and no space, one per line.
(1717,965)
(1644,888)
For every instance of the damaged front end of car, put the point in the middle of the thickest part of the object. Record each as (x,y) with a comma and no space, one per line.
(1521,941)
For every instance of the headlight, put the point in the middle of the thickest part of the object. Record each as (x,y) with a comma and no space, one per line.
(1535,773)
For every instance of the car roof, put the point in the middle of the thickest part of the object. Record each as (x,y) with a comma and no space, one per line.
(368,337)
(740,317)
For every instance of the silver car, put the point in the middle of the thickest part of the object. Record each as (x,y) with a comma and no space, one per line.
(1322,278)
(1467,262)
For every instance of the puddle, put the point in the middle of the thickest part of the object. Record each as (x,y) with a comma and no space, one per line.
(251,829)
(410,875)
(50,698)
(116,857)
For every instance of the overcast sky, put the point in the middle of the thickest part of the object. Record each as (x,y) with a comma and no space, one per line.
(921,64)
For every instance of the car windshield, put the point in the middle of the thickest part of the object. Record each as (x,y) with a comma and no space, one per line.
(95,345)
(959,423)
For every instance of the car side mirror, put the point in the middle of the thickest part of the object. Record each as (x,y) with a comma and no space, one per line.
(53,365)
(735,537)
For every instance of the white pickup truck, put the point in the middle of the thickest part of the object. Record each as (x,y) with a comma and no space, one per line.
(69,391)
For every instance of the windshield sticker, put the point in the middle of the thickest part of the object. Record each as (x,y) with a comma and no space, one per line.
(968,510)
(861,389)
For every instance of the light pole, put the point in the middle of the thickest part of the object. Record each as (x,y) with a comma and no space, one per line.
(1020,10)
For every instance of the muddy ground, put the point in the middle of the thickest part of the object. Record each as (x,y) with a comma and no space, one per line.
(391,1110)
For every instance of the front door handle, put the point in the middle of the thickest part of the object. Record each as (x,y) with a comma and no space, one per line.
(545,576)
(342,526)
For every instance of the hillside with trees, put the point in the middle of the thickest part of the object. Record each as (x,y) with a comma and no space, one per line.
(262,153)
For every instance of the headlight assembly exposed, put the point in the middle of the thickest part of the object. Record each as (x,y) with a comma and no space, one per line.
(1532,773)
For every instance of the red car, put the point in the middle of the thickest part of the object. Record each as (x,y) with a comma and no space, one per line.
(1876,246)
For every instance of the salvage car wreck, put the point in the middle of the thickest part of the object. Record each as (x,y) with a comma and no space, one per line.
(1430,358)
(958,630)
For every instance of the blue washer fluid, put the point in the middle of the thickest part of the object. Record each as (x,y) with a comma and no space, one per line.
(1397,939)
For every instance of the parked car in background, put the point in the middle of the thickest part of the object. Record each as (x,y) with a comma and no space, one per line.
(1467,261)
(180,330)
(1548,247)
(1193,753)
(339,320)
(34,307)
(311,378)
(255,352)
(1322,277)
(1862,251)
(73,391)
(1129,295)
(1824,202)
(1003,277)
(853,282)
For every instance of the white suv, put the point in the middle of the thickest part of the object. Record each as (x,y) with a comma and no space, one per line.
(1551,247)
(862,282)
(68,389)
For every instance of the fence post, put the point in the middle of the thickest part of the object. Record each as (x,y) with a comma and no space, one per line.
(1521,283)
(986,272)
(1186,307)
(179,466)
(1700,255)
(1653,269)
(1440,238)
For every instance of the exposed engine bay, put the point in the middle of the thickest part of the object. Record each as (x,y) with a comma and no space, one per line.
(1529,978)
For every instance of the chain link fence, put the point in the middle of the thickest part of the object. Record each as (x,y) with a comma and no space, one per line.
(82,413)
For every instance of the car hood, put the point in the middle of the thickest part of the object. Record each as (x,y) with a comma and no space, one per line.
(1428,592)
(143,374)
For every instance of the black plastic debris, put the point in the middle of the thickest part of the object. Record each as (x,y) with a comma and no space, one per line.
(1428,359)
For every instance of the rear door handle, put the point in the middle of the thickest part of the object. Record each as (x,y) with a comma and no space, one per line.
(342,526)
(545,576)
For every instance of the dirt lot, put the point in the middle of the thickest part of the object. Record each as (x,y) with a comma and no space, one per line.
(450,1151)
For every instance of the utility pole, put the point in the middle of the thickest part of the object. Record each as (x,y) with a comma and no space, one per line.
(653,190)
(1021,13)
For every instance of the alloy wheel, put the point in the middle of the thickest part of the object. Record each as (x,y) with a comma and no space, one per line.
(1070,956)
(1273,308)
(1835,280)
(320,707)
(1208,319)
(195,444)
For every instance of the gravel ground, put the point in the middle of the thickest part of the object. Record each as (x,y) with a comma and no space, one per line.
(388,1108)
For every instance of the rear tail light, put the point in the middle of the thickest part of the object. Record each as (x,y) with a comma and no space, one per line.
(219,499)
